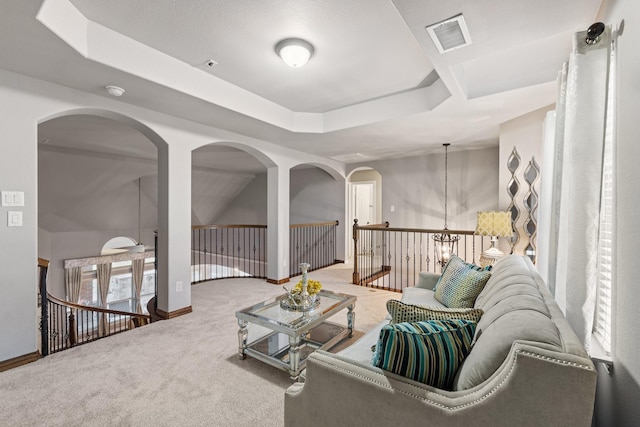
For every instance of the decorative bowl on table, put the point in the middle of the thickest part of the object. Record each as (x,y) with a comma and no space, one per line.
(304,295)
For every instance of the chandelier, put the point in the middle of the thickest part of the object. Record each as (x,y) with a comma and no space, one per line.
(445,241)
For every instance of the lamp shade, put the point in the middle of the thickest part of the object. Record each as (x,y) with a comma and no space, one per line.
(497,224)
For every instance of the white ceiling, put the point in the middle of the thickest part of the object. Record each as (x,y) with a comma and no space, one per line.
(376,86)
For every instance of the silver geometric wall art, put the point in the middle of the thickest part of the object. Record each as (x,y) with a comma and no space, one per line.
(531,199)
(513,187)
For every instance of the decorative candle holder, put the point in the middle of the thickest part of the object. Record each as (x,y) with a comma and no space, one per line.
(305,301)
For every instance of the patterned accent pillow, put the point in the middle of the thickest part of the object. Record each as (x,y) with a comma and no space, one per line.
(467,264)
(460,283)
(401,312)
(429,352)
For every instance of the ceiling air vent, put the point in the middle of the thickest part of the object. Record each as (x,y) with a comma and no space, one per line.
(450,34)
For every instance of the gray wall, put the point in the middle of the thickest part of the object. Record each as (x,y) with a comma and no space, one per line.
(249,206)
(415,187)
(315,197)
(212,192)
(618,395)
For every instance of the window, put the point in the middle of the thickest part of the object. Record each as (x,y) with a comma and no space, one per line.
(603,314)
(122,294)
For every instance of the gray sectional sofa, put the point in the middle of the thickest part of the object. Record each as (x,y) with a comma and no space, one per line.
(526,368)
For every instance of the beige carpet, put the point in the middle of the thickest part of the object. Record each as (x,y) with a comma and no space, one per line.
(183,371)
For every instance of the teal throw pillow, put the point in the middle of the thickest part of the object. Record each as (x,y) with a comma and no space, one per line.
(467,264)
(460,283)
(429,352)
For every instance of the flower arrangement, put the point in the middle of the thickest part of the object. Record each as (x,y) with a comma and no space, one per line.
(313,287)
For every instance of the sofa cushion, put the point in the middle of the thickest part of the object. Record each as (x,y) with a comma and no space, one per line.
(401,312)
(419,296)
(512,303)
(429,352)
(493,342)
(511,289)
(506,271)
(460,284)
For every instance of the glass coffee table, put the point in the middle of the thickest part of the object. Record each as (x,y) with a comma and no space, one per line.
(292,335)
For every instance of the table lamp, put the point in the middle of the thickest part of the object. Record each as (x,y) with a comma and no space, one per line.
(494,224)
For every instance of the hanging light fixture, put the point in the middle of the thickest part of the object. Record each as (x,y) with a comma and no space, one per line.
(444,241)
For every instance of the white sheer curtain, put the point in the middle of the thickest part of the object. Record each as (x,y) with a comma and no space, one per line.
(103,273)
(73,281)
(137,269)
(574,194)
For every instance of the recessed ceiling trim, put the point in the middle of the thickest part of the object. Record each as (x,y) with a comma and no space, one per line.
(450,34)
(105,46)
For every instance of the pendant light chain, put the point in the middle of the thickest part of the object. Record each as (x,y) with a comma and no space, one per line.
(139,210)
(445,242)
(446,158)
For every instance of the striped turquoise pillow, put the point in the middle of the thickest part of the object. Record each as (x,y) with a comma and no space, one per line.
(429,352)
(460,284)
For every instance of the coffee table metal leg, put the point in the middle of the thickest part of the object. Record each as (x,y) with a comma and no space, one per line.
(351,319)
(294,356)
(242,338)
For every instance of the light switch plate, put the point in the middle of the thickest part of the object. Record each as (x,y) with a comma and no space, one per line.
(13,198)
(14,219)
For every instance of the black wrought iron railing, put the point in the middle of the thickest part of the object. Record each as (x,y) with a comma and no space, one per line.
(392,258)
(314,244)
(71,324)
(225,251)
(64,324)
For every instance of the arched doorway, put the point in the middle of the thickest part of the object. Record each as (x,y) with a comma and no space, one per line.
(97,179)
(316,217)
(229,211)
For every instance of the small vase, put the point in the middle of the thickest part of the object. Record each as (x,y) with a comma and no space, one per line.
(305,297)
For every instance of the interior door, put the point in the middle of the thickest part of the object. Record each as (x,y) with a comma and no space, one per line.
(362,205)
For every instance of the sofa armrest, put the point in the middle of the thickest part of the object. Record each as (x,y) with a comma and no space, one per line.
(534,386)
(427,280)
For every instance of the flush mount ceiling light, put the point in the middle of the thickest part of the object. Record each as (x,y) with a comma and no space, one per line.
(450,34)
(114,90)
(294,52)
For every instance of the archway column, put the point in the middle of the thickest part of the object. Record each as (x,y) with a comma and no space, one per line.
(18,255)
(278,224)
(174,230)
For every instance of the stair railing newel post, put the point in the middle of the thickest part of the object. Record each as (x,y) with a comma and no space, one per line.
(155,267)
(356,275)
(73,338)
(44,312)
